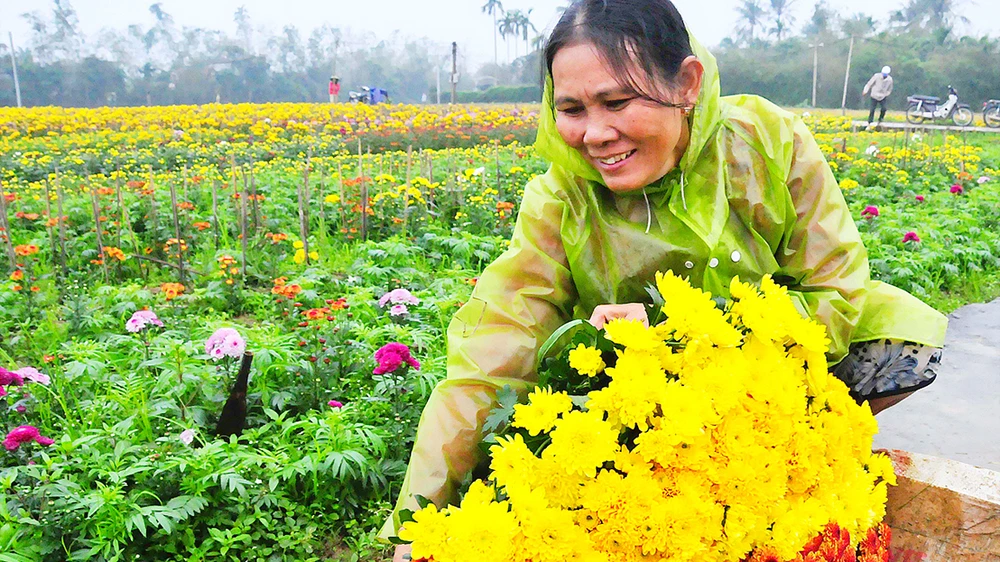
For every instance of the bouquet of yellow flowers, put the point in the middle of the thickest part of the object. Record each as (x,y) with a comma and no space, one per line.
(715,435)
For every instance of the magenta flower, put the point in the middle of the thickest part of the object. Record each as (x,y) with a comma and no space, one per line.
(334,404)
(25,434)
(397,296)
(10,378)
(920,198)
(392,356)
(957,189)
(225,342)
(141,319)
(911,237)
(32,374)
(870,212)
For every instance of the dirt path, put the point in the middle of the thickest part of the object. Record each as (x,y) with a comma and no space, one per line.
(957,417)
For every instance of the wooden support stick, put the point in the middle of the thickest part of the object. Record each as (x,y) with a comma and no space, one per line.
(5,225)
(215,211)
(364,193)
(100,238)
(62,223)
(303,194)
(177,232)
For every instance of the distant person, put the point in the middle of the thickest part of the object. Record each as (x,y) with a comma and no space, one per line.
(880,88)
(334,89)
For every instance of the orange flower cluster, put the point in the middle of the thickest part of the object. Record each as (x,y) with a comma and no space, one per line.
(227,268)
(25,250)
(18,275)
(172,290)
(339,304)
(283,290)
(834,545)
(202,225)
(26,216)
(185,206)
(316,313)
(182,244)
(106,191)
(504,209)
(276,237)
(115,253)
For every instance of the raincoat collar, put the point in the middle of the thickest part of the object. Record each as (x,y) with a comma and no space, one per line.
(704,123)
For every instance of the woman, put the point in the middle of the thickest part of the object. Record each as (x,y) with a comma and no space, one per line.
(653,171)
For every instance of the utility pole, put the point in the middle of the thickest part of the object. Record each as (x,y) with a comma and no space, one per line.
(847,78)
(13,64)
(454,72)
(815,48)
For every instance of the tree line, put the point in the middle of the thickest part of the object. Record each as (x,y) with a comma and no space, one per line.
(768,53)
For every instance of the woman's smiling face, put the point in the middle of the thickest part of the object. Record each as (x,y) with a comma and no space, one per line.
(631,140)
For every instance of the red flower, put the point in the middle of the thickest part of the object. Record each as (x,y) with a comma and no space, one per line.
(957,189)
(871,211)
(911,237)
(920,198)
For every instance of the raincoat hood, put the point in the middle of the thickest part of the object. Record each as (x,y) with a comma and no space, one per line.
(704,121)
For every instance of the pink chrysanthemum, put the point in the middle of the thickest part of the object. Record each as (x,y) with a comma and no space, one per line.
(25,434)
(392,356)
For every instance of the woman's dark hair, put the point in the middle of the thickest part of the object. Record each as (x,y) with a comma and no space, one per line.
(647,33)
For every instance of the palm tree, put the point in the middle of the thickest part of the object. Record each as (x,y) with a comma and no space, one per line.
(783,19)
(932,14)
(491,7)
(527,26)
(507,27)
(751,16)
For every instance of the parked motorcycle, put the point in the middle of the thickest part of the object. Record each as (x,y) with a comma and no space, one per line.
(991,113)
(930,108)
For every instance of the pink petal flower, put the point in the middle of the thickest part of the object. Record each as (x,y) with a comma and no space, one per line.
(921,198)
(186,436)
(24,434)
(334,404)
(957,189)
(911,237)
(399,310)
(871,211)
(32,374)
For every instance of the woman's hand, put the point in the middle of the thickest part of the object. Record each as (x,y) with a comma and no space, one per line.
(606,312)
(401,550)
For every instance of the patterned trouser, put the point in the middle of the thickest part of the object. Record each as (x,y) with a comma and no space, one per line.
(876,369)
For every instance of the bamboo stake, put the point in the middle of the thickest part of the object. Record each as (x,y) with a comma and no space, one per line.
(364,193)
(152,204)
(253,203)
(126,221)
(242,206)
(340,180)
(100,238)
(303,194)
(62,223)
(215,211)
(48,224)
(177,232)
(406,190)
(5,225)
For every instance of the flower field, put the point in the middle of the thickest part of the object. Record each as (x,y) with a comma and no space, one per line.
(143,249)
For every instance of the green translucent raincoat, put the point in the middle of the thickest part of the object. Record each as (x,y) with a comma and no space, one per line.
(752,195)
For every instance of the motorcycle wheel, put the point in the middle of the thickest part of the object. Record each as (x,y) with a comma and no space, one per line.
(992,116)
(963,117)
(914,115)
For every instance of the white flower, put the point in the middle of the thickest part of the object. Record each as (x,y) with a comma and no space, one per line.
(186,436)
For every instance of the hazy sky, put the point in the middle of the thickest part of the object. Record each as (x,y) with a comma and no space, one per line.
(441,20)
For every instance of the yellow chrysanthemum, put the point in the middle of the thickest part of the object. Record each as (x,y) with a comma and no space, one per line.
(586,360)
(542,410)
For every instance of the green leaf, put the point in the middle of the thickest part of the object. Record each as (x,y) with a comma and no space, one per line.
(500,415)
(563,337)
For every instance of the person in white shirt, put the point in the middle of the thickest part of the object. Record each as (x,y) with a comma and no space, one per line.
(880,88)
